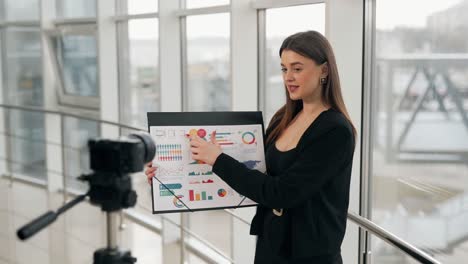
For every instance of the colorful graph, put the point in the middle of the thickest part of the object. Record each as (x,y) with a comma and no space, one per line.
(169,152)
(208,181)
(193,196)
(176,201)
(222,192)
(248,138)
(167,189)
(223,139)
(193,173)
(199,132)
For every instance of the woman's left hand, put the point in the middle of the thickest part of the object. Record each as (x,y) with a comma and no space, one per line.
(204,151)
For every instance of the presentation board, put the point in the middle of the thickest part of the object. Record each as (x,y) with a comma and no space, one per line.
(182,184)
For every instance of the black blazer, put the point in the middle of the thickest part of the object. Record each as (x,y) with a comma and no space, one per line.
(314,191)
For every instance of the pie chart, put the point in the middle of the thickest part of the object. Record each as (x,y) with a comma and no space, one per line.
(248,138)
(201,133)
(222,192)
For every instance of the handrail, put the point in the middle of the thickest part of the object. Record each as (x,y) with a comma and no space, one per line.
(55,112)
(392,239)
(364,223)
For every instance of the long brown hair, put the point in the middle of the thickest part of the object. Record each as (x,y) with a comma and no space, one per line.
(312,45)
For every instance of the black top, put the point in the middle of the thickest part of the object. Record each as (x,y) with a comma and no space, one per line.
(313,190)
(277,162)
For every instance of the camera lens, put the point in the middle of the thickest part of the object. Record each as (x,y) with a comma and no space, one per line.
(149,146)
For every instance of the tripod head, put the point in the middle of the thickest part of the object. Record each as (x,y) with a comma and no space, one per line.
(112,161)
(110,187)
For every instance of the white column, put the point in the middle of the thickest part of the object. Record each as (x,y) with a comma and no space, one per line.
(171,101)
(107,60)
(344,30)
(52,122)
(244,56)
(2,111)
(170,57)
(53,135)
(244,53)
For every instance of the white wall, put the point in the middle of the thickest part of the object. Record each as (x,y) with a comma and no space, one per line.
(344,30)
(2,115)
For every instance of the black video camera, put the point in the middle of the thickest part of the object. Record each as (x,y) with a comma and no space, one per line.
(112,161)
(126,155)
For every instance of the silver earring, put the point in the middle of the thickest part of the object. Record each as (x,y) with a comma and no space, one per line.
(323,80)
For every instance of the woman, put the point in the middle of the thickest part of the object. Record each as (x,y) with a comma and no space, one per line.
(303,198)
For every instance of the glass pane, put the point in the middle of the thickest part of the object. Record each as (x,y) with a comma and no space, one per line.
(23,79)
(419,157)
(306,17)
(213,226)
(76,136)
(16,10)
(140,91)
(76,9)
(208,58)
(27,143)
(141,6)
(206,3)
(77,56)
(145,245)
(24,71)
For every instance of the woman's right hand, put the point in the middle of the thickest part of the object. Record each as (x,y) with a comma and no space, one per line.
(150,171)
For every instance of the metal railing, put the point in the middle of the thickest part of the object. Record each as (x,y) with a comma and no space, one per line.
(392,239)
(362,222)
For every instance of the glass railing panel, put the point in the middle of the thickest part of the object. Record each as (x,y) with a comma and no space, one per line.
(420,127)
(26,140)
(76,133)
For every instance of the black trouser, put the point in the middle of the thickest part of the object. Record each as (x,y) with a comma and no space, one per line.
(264,255)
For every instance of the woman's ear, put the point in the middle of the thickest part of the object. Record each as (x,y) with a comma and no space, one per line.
(324,68)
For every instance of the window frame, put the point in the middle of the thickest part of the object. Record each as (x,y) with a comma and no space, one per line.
(122,20)
(182,14)
(88,102)
(261,6)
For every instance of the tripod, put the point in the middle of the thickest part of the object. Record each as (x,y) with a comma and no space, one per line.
(110,188)
(112,193)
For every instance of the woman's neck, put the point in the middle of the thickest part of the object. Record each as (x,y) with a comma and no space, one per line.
(312,108)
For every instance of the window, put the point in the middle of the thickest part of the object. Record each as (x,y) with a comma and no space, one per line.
(139,70)
(24,71)
(74,53)
(420,102)
(78,61)
(140,6)
(208,63)
(23,79)
(77,132)
(18,10)
(306,17)
(205,3)
(207,88)
(76,9)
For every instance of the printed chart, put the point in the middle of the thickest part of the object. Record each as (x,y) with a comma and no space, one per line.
(182,184)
